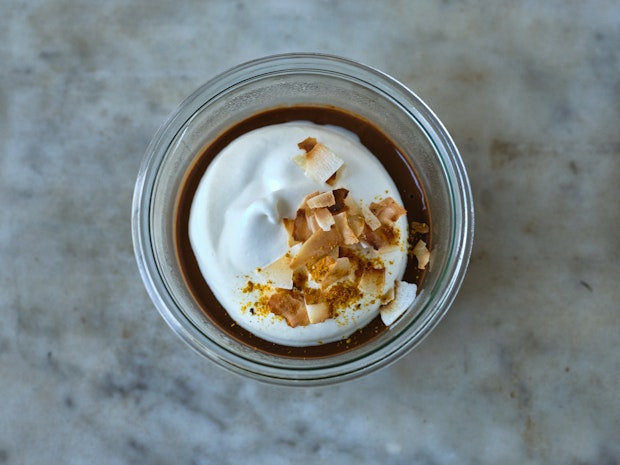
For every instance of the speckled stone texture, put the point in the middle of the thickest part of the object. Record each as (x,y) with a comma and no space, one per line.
(524,369)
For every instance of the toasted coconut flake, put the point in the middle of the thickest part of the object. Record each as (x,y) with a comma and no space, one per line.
(404,296)
(387,211)
(371,219)
(320,244)
(320,163)
(290,306)
(279,273)
(342,225)
(372,282)
(422,254)
(307,144)
(340,196)
(311,221)
(318,312)
(421,228)
(304,202)
(324,218)
(301,231)
(352,207)
(383,237)
(340,269)
(325,199)
(289,225)
(356,223)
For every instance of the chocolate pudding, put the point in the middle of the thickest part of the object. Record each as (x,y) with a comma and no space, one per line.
(401,172)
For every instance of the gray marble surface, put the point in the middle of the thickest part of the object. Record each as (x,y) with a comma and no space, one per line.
(524,369)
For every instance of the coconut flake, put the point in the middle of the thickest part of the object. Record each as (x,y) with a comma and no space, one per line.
(340,200)
(311,221)
(356,223)
(381,238)
(422,228)
(372,282)
(422,254)
(371,219)
(342,225)
(404,296)
(300,230)
(320,244)
(289,225)
(325,199)
(320,163)
(387,211)
(318,312)
(351,205)
(324,218)
(307,144)
(290,306)
(279,273)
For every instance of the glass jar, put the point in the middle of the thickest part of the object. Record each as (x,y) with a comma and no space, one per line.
(295,79)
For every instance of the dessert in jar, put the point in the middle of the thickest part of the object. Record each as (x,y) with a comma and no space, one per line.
(211,302)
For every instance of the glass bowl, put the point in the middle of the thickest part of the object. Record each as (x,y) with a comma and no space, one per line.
(302,79)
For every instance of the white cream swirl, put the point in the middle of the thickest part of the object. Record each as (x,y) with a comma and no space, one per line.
(235,223)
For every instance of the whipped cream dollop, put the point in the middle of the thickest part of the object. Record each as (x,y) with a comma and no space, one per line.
(236,222)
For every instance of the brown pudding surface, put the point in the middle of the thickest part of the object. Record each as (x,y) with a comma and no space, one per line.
(390,156)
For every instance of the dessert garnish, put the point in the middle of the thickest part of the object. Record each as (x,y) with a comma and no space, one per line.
(336,251)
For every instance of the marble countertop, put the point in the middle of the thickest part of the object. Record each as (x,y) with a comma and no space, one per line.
(524,369)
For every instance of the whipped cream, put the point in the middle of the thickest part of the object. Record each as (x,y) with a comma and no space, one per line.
(236,227)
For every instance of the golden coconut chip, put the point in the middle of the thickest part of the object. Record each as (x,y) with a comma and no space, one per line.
(342,225)
(356,223)
(311,220)
(325,199)
(383,237)
(324,218)
(421,228)
(289,305)
(422,254)
(340,197)
(320,163)
(318,312)
(279,273)
(307,144)
(301,231)
(370,218)
(372,282)
(404,295)
(320,244)
(387,211)
(351,206)
(289,226)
